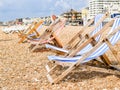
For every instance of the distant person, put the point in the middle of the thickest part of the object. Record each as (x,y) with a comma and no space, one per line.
(53,18)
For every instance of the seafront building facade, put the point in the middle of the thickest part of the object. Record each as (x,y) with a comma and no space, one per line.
(101,6)
(73,17)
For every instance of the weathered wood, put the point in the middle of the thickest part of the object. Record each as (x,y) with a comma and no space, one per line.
(74,65)
(20,34)
(83,32)
(57,41)
(105,59)
(50,35)
(115,67)
(30,32)
(114,52)
(79,33)
(49,78)
(105,28)
(47,68)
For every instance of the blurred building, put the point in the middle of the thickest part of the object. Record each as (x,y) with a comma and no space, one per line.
(10,23)
(85,12)
(19,21)
(47,20)
(29,20)
(101,6)
(1,23)
(73,17)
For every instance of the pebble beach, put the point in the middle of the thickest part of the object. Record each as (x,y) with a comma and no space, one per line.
(21,69)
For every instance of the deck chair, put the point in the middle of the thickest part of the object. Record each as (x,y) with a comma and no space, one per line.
(108,38)
(83,32)
(21,33)
(32,31)
(50,35)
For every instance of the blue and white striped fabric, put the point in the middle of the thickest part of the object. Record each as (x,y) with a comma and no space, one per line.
(98,52)
(89,46)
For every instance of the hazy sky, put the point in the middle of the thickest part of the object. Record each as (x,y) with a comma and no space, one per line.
(11,9)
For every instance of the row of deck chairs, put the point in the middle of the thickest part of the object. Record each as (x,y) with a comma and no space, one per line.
(93,44)
(37,39)
(15,28)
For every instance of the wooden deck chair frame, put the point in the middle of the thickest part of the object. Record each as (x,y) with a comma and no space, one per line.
(82,33)
(34,29)
(104,57)
(49,36)
(104,39)
(21,33)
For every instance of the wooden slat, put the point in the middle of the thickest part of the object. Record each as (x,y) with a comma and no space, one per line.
(49,78)
(47,68)
(114,52)
(105,28)
(57,40)
(115,67)
(50,35)
(79,33)
(105,59)
(84,30)
(20,34)
(31,31)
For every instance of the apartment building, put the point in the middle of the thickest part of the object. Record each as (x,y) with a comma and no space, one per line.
(101,6)
(73,17)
